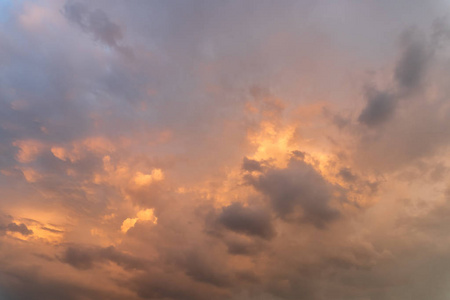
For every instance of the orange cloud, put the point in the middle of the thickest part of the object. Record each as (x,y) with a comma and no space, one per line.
(142,215)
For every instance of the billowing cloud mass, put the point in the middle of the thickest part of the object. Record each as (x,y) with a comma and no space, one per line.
(241,150)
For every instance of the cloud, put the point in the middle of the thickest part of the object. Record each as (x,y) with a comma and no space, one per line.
(297,192)
(231,157)
(143,215)
(28,150)
(203,267)
(97,23)
(248,220)
(21,228)
(412,65)
(380,108)
(174,286)
(409,73)
(238,245)
(14,227)
(84,258)
(251,165)
(347,175)
(28,284)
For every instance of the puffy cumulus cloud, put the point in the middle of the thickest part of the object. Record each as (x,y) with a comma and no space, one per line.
(224,150)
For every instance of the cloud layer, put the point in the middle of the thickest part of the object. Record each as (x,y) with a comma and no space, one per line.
(224,150)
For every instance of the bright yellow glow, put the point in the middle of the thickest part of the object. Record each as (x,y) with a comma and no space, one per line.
(142,179)
(127,224)
(47,232)
(273,143)
(143,215)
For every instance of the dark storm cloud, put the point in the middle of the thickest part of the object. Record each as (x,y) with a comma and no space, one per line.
(83,258)
(296,187)
(249,220)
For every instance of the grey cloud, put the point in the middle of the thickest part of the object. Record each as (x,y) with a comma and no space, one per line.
(248,220)
(299,154)
(421,125)
(241,246)
(97,23)
(77,258)
(251,165)
(412,65)
(103,29)
(174,286)
(52,230)
(296,187)
(347,175)
(76,12)
(13,227)
(21,228)
(380,108)
(84,258)
(408,76)
(241,249)
(186,268)
(201,266)
(199,66)
(28,284)
(392,149)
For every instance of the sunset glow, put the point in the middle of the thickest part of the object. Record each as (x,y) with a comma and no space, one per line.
(224,150)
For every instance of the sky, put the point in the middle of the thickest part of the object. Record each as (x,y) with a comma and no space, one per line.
(229,150)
